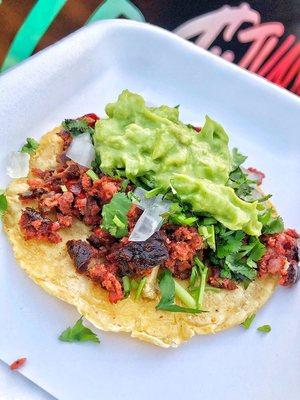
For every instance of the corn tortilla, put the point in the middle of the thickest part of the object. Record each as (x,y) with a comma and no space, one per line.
(50,266)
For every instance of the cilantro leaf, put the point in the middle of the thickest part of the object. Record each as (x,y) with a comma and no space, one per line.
(264,328)
(208,232)
(231,244)
(78,333)
(237,254)
(167,288)
(177,215)
(239,268)
(3,203)
(30,146)
(271,224)
(248,321)
(258,249)
(237,158)
(242,185)
(77,126)
(114,215)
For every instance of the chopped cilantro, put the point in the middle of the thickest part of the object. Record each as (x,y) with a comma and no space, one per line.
(30,146)
(202,271)
(230,244)
(78,333)
(77,126)
(271,224)
(193,277)
(264,328)
(133,197)
(140,287)
(180,215)
(92,175)
(238,179)
(126,285)
(237,158)
(3,203)
(240,269)
(236,254)
(114,215)
(168,288)
(208,232)
(248,321)
(153,192)
(124,185)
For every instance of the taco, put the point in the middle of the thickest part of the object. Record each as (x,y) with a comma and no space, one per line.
(148,225)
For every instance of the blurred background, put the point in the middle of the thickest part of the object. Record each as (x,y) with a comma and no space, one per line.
(262,36)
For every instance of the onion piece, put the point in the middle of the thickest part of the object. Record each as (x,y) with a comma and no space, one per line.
(150,221)
(18,164)
(143,202)
(81,150)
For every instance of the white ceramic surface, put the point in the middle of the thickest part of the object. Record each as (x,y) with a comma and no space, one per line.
(81,74)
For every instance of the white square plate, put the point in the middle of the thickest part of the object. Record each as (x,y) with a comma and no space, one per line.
(79,75)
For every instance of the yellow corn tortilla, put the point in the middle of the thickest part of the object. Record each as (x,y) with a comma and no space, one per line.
(50,266)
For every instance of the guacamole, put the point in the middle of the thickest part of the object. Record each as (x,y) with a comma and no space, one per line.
(152,143)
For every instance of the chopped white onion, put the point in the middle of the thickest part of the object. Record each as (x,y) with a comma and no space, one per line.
(82,150)
(141,201)
(18,164)
(150,221)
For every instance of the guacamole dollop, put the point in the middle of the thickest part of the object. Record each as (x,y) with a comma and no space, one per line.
(152,143)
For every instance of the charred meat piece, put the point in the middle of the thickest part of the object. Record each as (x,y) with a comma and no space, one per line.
(91,214)
(34,225)
(105,275)
(66,137)
(31,194)
(281,257)
(223,283)
(135,256)
(81,253)
(64,220)
(65,203)
(87,261)
(182,243)
(292,274)
(101,239)
(105,188)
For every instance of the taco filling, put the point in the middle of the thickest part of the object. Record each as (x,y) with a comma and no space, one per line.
(160,193)
(167,212)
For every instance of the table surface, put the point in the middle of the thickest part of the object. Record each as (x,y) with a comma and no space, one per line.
(14,386)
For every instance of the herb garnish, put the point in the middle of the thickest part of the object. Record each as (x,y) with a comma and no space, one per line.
(238,179)
(115,215)
(30,146)
(140,288)
(236,254)
(208,232)
(270,223)
(77,126)
(264,328)
(3,203)
(202,271)
(79,333)
(92,175)
(168,288)
(248,321)
(126,285)
(179,214)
